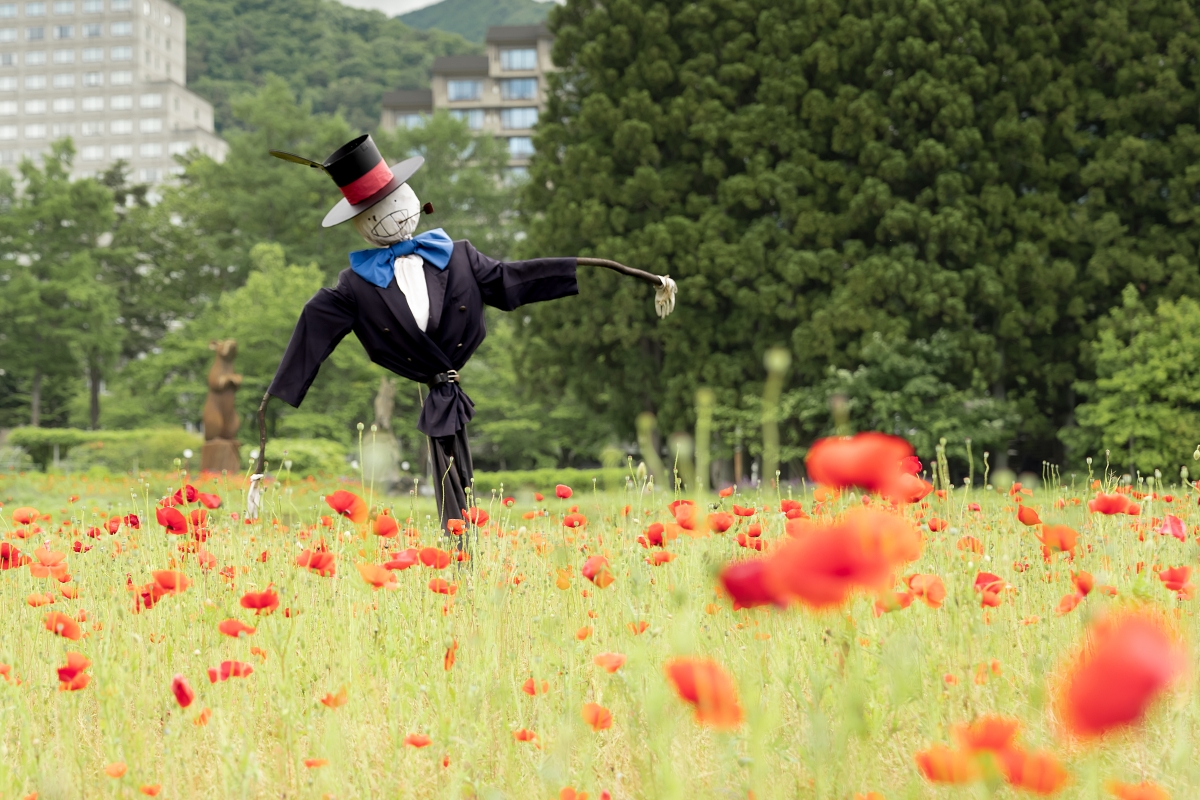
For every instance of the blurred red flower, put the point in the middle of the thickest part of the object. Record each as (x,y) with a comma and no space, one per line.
(709,689)
(349,505)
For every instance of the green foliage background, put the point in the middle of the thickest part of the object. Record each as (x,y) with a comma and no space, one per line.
(471,18)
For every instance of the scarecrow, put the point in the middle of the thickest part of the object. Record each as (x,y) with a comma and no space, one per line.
(417,305)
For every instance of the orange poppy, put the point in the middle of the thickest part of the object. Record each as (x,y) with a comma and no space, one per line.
(235,628)
(25,515)
(417,740)
(385,527)
(1039,772)
(318,561)
(171,582)
(1059,538)
(441,586)
(595,569)
(927,587)
(940,764)
(1109,504)
(708,688)
(116,769)
(64,626)
(610,662)
(1137,791)
(1127,663)
(263,602)
(403,560)
(524,735)
(583,633)
(150,790)
(349,505)
(562,491)
(229,669)
(315,763)
(870,461)
(451,654)
(335,700)
(531,687)
(1028,517)
(72,677)
(597,716)
(433,557)
(379,577)
(637,628)
(987,733)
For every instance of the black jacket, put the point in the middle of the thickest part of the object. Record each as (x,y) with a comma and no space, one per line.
(384,324)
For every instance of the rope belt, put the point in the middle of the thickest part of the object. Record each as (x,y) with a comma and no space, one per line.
(442,378)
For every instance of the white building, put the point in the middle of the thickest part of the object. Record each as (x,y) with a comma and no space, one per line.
(109,74)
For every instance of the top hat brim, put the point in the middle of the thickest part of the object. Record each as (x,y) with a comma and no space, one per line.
(345,210)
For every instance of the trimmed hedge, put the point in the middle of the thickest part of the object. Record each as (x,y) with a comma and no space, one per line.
(308,456)
(117,451)
(544,480)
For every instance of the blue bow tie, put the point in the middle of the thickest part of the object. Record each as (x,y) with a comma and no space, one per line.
(375,266)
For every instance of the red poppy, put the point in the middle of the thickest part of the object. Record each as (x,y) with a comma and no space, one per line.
(1058,538)
(660,558)
(1137,791)
(209,500)
(720,521)
(1128,662)
(72,677)
(440,586)
(746,584)
(235,628)
(318,561)
(336,700)
(182,691)
(116,769)
(1109,504)
(597,716)
(889,601)
(151,789)
(726,492)
(475,516)
(37,600)
(562,491)
(595,569)
(1176,579)
(574,521)
(637,628)
(1027,516)
(433,557)
(937,525)
(1173,526)
(1040,772)
(1083,582)
(609,662)
(911,465)
(187,494)
(64,626)
(927,587)
(385,526)
(531,687)
(349,505)
(170,581)
(171,519)
(940,764)
(456,527)
(11,557)
(743,512)
(451,654)
(25,515)
(524,735)
(583,633)
(417,740)
(709,689)
(824,566)
(229,669)
(403,560)
(315,763)
(870,461)
(993,734)
(263,602)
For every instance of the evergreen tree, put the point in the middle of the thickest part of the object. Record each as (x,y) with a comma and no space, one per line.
(816,172)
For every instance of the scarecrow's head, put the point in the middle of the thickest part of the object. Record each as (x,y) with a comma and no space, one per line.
(392,219)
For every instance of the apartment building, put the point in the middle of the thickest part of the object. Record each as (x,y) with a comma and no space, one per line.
(500,93)
(111,75)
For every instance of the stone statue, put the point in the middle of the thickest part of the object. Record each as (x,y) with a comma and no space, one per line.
(221,421)
(381,450)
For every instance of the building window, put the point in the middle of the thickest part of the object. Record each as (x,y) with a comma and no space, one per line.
(64,31)
(64,8)
(93,54)
(518,118)
(62,129)
(121,29)
(92,129)
(93,79)
(150,101)
(93,31)
(516,174)
(408,120)
(35,34)
(93,6)
(120,127)
(459,90)
(120,102)
(8,131)
(64,105)
(473,117)
(35,131)
(64,56)
(519,89)
(8,10)
(122,78)
(150,150)
(520,146)
(93,152)
(35,81)
(8,108)
(35,57)
(122,5)
(121,151)
(65,81)
(179,148)
(8,59)
(8,84)
(150,125)
(35,9)
(8,34)
(121,54)
(93,104)
(150,175)
(35,106)
(518,58)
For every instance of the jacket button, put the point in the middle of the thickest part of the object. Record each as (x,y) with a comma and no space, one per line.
(387,330)
(410,359)
(462,308)
(460,344)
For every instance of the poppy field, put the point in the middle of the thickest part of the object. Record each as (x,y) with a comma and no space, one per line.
(881,632)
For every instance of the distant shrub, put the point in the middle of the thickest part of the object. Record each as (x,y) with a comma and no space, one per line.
(544,480)
(117,451)
(308,456)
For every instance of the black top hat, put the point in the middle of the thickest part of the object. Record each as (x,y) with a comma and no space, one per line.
(361,173)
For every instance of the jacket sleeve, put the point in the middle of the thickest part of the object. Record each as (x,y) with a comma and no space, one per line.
(508,284)
(324,322)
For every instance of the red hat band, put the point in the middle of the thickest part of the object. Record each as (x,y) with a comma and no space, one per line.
(359,170)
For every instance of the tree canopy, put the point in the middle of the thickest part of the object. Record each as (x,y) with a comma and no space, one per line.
(829,175)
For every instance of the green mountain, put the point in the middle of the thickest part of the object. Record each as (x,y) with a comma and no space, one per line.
(336,57)
(471,18)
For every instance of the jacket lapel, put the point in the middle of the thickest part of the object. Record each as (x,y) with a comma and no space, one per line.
(398,305)
(435,281)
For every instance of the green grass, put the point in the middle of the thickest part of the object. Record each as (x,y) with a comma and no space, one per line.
(836,703)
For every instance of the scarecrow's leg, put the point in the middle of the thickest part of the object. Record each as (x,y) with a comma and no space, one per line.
(453,472)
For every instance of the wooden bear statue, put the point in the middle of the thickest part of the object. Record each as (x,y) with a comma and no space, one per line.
(221,421)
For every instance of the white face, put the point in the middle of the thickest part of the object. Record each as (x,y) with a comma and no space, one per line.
(393,219)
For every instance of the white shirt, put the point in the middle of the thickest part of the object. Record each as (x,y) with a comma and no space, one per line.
(410,277)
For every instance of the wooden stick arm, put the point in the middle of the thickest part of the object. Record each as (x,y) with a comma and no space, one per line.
(665,288)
